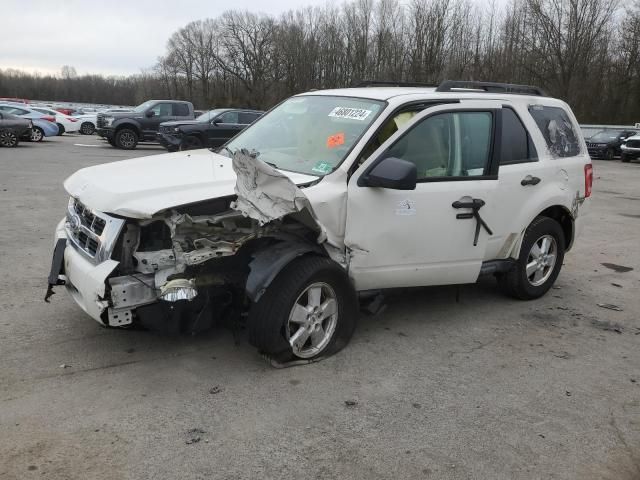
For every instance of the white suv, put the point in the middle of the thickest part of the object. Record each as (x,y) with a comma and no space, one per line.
(331,194)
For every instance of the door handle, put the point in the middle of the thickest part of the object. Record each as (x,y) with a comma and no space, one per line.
(475,204)
(530,180)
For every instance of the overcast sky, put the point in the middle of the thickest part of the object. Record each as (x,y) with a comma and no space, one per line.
(112,37)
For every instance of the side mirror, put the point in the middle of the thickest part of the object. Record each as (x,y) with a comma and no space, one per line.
(216,121)
(150,113)
(393,173)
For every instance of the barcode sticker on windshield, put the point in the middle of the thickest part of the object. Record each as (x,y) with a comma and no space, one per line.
(351,113)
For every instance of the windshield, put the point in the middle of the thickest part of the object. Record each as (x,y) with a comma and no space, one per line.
(143,107)
(311,134)
(605,136)
(208,116)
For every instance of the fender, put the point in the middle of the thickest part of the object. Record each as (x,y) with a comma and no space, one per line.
(270,261)
(128,121)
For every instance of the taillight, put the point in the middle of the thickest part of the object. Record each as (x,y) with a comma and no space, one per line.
(72,119)
(588,180)
(49,118)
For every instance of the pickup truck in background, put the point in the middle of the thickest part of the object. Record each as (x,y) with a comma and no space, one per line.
(125,129)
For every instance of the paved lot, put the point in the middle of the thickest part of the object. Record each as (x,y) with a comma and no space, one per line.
(487,388)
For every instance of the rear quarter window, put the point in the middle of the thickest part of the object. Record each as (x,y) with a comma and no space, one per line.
(557,129)
(180,110)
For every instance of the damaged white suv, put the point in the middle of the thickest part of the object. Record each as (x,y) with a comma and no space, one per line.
(331,194)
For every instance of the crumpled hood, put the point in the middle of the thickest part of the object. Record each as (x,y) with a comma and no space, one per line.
(142,187)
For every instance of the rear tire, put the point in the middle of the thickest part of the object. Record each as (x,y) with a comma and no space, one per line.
(309,311)
(539,263)
(126,139)
(608,154)
(87,128)
(61,129)
(37,134)
(9,139)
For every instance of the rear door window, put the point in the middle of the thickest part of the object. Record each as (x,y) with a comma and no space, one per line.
(180,110)
(517,146)
(229,117)
(245,118)
(558,130)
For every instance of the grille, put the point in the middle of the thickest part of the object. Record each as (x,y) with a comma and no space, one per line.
(100,120)
(92,233)
(633,143)
(164,129)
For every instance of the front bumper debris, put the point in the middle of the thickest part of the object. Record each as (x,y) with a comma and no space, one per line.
(169,141)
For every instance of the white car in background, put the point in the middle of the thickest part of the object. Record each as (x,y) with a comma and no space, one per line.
(88,121)
(66,123)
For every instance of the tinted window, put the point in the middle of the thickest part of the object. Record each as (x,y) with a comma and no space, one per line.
(517,146)
(163,110)
(246,118)
(180,110)
(558,130)
(229,117)
(454,144)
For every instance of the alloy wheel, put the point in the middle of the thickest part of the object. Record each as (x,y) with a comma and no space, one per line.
(312,321)
(8,139)
(541,260)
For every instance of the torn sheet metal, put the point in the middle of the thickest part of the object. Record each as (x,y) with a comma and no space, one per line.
(264,193)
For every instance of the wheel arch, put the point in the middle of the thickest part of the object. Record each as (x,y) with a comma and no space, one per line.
(560,214)
(128,124)
(269,260)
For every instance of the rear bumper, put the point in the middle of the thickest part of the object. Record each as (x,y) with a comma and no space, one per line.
(631,153)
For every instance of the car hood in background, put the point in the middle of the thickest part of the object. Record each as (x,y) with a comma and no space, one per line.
(142,187)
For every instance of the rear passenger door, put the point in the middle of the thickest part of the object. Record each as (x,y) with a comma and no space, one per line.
(162,112)
(541,158)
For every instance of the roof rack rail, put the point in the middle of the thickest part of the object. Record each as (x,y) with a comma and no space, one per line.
(490,87)
(376,83)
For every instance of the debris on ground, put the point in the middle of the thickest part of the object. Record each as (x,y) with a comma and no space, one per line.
(373,306)
(194,436)
(64,365)
(350,403)
(610,306)
(616,285)
(214,390)
(607,326)
(617,268)
(567,393)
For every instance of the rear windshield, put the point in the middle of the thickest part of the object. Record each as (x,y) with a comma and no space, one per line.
(558,130)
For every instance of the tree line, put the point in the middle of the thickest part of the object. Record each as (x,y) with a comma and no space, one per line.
(586,52)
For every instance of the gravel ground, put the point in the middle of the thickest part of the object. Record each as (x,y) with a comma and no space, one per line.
(483,388)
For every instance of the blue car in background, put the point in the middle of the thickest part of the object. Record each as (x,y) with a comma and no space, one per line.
(43,126)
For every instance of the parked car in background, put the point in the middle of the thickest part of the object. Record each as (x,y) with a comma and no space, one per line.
(13,128)
(630,148)
(211,129)
(89,120)
(65,122)
(125,129)
(43,125)
(606,143)
(65,110)
(42,128)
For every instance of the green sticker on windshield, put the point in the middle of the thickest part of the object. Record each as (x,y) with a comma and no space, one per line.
(322,167)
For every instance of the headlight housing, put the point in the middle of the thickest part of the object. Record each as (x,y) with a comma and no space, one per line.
(108,121)
(176,130)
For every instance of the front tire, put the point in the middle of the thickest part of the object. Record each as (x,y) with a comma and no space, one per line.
(309,311)
(8,138)
(126,139)
(625,159)
(87,128)
(37,134)
(190,142)
(539,263)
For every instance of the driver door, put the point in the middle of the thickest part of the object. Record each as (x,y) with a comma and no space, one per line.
(403,238)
